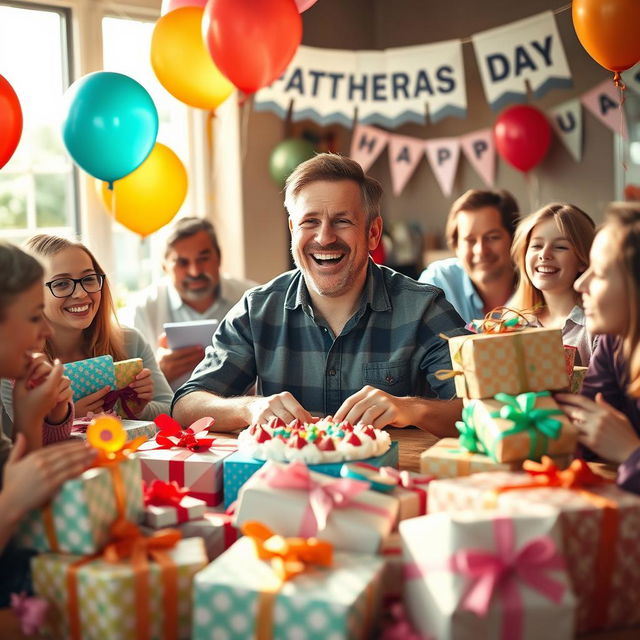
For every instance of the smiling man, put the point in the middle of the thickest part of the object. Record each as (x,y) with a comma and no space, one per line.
(336,336)
(480,228)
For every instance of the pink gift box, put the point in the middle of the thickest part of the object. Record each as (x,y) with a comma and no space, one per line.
(600,525)
(198,471)
(216,529)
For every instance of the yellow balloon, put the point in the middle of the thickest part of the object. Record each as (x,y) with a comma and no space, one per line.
(182,63)
(150,196)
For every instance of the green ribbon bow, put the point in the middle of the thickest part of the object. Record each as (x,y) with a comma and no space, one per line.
(521,410)
(468,436)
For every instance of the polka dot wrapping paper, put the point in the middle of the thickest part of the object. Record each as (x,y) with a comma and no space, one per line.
(83,510)
(106,594)
(333,603)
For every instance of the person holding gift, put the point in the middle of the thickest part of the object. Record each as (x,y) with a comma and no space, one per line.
(479,230)
(551,250)
(607,413)
(38,389)
(80,311)
(337,336)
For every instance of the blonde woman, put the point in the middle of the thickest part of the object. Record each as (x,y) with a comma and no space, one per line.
(551,250)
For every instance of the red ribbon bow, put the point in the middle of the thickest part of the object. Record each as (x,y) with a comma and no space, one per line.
(172,434)
(577,475)
(167,494)
(125,395)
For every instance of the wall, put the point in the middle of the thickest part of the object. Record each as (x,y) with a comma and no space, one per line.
(376,24)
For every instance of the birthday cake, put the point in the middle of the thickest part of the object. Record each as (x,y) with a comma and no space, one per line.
(312,443)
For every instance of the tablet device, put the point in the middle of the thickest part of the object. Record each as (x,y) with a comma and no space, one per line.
(189,334)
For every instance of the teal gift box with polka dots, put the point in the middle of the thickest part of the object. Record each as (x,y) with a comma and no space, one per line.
(90,375)
(83,510)
(335,603)
(238,468)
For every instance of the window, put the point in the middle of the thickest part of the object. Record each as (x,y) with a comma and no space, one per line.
(38,189)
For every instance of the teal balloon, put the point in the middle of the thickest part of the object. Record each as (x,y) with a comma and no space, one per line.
(110,124)
(287,156)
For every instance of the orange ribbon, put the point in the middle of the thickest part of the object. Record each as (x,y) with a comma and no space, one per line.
(576,478)
(128,543)
(289,557)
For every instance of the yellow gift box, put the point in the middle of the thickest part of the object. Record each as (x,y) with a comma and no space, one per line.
(126,371)
(577,379)
(527,360)
(518,428)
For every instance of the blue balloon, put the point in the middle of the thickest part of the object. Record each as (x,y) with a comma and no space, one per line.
(110,125)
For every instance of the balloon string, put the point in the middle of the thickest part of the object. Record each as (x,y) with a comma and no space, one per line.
(617,80)
(245,105)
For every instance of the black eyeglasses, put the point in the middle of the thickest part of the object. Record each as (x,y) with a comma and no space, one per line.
(65,287)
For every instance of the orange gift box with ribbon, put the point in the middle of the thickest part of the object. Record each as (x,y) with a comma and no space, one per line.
(139,588)
(267,586)
(599,524)
(485,364)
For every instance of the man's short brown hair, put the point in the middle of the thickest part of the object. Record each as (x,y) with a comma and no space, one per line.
(189,226)
(333,167)
(475,199)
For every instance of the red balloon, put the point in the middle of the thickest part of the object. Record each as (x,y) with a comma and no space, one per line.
(10,120)
(523,136)
(252,41)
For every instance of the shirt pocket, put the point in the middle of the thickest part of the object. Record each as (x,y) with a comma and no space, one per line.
(389,376)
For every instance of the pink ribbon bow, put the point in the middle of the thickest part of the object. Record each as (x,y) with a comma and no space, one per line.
(171,434)
(323,498)
(31,612)
(500,572)
(404,478)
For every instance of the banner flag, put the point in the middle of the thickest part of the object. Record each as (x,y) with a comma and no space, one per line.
(604,102)
(480,150)
(527,50)
(367,144)
(566,120)
(404,155)
(443,155)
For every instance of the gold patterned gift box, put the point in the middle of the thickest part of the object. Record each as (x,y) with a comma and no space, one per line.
(113,601)
(599,525)
(516,428)
(577,379)
(527,360)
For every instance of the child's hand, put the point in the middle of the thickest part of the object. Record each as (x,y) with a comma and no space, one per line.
(59,413)
(92,403)
(143,386)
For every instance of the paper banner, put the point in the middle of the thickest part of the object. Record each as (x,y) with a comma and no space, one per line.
(566,120)
(443,155)
(526,50)
(604,102)
(404,155)
(367,144)
(631,78)
(388,87)
(480,150)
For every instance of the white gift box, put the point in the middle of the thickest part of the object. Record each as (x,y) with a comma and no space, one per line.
(289,499)
(449,580)
(165,516)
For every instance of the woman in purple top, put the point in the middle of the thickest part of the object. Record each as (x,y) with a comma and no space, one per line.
(607,413)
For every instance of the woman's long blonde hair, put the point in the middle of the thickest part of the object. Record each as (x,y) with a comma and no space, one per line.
(104,335)
(623,218)
(573,223)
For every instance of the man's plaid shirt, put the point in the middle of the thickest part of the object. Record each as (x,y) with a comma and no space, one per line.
(272,338)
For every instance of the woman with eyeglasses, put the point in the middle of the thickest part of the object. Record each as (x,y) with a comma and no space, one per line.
(80,311)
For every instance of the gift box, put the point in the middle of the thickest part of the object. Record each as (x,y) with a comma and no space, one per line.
(78,518)
(511,428)
(393,579)
(294,501)
(217,531)
(577,379)
(90,375)
(126,371)
(133,428)
(447,459)
(240,596)
(166,504)
(108,607)
(599,523)
(190,457)
(483,576)
(569,357)
(527,360)
(238,468)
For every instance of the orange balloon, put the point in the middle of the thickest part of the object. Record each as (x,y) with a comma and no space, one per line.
(608,30)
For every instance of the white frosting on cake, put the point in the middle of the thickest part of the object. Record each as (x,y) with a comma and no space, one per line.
(276,441)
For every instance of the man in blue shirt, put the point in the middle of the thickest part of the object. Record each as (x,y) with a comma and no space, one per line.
(480,229)
(337,336)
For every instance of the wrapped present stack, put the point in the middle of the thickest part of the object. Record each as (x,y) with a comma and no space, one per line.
(505,374)
(102,578)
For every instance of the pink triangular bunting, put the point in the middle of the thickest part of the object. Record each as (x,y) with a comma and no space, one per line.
(443,155)
(367,144)
(480,151)
(404,155)
(604,102)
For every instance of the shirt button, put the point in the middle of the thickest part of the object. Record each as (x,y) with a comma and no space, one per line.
(332,372)
(390,379)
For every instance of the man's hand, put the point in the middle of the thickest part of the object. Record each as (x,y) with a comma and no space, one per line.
(375,407)
(176,362)
(601,427)
(281,405)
